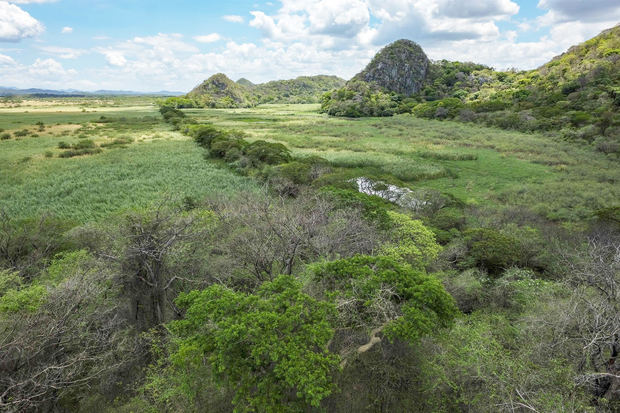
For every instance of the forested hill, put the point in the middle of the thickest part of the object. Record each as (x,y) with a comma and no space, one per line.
(576,95)
(221,92)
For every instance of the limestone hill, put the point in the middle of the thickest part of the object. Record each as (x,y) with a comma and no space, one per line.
(400,67)
(220,91)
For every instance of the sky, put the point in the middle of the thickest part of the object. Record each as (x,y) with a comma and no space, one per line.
(154,45)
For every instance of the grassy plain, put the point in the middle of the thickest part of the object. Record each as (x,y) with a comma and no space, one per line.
(479,165)
(158,164)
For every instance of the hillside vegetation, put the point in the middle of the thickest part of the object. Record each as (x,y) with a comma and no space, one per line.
(576,95)
(220,92)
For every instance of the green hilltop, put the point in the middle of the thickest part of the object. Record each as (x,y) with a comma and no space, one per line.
(575,95)
(219,91)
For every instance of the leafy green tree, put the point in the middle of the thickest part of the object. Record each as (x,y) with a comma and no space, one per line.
(411,241)
(383,295)
(269,347)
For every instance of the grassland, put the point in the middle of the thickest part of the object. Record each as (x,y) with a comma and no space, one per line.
(157,164)
(478,165)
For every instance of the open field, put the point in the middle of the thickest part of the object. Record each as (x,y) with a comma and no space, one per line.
(478,165)
(157,163)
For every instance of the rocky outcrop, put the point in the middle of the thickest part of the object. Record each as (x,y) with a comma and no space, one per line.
(400,67)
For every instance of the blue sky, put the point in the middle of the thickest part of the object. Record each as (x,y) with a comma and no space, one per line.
(163,45)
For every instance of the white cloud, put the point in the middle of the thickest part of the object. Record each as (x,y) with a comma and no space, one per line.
(580,10)
(115,57)
(209,38)
(64,52)
(6,60)
(233,18)
(16,24)
(67,30)
(477,9)
(42,73)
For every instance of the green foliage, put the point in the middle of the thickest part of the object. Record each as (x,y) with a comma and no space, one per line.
(483,363)
(21,133)
(304,89)
(410,241)
(179,103)
(418,302)
(439,109)
(204,134)
(269,348)
(220,92)
(262,152)
(491,250)
(374,208)
(15,296)
(359,99)
(66,265)
(27,299)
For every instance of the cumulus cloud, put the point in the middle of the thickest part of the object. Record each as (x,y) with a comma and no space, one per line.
(16,24)
(41,73)
(209,38)
(581,10)
(233,18)
(477,9)
(67,30)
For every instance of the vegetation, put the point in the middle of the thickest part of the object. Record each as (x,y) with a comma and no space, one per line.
(275,259)
(220,92)
(574,96)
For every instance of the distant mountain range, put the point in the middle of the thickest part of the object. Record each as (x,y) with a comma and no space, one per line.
(11,91)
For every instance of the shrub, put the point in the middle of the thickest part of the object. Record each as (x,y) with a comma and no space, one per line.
(63,145)
(374,209)
(490,250)
(5,136)
(79,152)
(221,146)
(21,133)
(267,152)
(204,134)
(118,143)
(84,144)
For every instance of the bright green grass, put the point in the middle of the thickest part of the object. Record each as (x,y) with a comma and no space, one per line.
(479,165)
(559,180)
(93,187)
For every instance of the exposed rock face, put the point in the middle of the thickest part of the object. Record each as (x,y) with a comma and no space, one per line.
(400,67)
